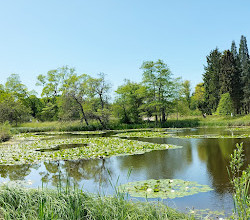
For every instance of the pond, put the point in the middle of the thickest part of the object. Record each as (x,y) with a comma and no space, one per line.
(201,159)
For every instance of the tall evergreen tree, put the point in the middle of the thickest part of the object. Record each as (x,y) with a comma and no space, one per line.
(245,73)
(234,50)
(211,81)
(230,79)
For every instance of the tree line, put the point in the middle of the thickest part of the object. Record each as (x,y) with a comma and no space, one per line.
(67,95)
(227,80)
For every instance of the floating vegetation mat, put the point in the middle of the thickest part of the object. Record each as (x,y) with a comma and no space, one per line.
(238,129)
(43,150)
(70,133)
(214,136)
(148,134)
(164,188)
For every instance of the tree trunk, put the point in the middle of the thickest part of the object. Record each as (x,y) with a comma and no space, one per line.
(82,111)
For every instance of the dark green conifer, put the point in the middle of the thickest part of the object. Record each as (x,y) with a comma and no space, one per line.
(230,79)
(245,74)
(211,81)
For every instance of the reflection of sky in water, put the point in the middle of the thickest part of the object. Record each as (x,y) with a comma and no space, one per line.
(200,160)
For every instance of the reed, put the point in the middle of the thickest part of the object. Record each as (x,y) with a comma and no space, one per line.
(72,203)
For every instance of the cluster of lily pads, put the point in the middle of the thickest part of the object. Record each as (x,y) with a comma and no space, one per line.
(43,150)
(147,134)
(150,134)
(163,188)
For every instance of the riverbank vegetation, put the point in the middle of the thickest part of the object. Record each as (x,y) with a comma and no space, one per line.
(73,203)
(5,132)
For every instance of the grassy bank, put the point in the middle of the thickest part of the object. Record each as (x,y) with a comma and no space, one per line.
(20,203)
(5,133)
(184,122)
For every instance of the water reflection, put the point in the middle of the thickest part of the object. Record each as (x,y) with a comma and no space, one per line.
(17,172)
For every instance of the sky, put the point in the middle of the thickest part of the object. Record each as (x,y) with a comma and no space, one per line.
(116,36)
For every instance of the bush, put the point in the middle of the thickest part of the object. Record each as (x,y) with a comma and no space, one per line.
(5,133)
(225,106)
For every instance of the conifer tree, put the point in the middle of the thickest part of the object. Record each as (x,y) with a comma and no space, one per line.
(245,74)
(211,81)
(230,79)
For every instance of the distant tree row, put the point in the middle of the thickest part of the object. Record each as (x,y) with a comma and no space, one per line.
(227,73)
(67,95)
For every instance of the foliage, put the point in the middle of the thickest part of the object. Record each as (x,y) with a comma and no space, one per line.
(230,79)
(130,101)
(5,132)
(198,99)
(211,81)
(240,181)
(187,92)
(12,110)
(163,188)
(225,106)
(245,74)
(160,86)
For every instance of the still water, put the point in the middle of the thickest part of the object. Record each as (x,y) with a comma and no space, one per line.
(202,160)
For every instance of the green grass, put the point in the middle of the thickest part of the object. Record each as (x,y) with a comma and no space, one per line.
(183,122)
(68,203)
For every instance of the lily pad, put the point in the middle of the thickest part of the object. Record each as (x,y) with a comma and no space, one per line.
(146,134)
(44,150)
(163,188)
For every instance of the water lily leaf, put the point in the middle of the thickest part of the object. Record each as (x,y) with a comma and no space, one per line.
(164,188)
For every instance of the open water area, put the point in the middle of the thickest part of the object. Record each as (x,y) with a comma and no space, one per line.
(203,160)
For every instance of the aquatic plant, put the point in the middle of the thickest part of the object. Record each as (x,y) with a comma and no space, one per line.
(163,188)
(33,152)
(149,134)
(240,181)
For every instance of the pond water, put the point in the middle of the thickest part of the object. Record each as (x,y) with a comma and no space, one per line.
(204,160)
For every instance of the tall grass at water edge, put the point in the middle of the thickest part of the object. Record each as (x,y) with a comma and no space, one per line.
(113,125)
(73,203)
(240,181)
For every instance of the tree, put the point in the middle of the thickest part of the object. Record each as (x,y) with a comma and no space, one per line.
(12,109)
(98,93)
(245,73)
(225,106)
(187,92)
(76,87)
(211,81)
(14,86)
(234,50)
(129,102)
(64,82)
(157,79)
(198,100)
(230,79)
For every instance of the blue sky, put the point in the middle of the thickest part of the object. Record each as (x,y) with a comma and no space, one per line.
(116,36)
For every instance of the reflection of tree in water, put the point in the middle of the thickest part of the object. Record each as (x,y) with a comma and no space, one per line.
(17,172)
(159,164)
(77,170)
(216,154)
